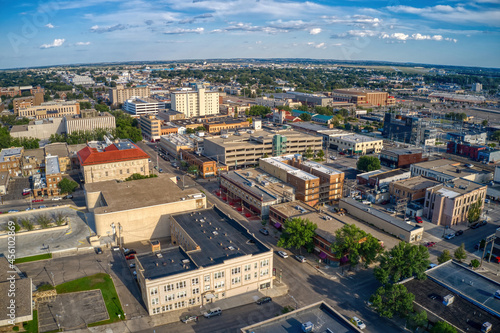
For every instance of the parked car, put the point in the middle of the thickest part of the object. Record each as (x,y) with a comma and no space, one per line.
(358,323)
(42,206)
(459,232)
(189,318)
(129,257)
(263,300)
(98,250)
(264,231)
(37,200)
(69,196)
(282,254)
(482,223)
(390,210)
(115,248)
(129,251)
(131,265)
(13,211)
(431,266)
(213,312)
(384,202)
(418,219)
(301,258)
(449,236)
(429,244)
(56,198)
(475,225)
(486,200)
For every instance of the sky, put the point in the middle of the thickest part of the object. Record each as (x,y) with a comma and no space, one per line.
(41,33)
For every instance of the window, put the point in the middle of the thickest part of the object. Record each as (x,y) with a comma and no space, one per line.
(194,281)
(155,301)
(219,275)
(181,294)
(219,284)
(264,272)
(236,270)
(180,285)
(156,310)
(236,280)
(179,305)
(196,291)
(167,307)
(154,291)
(169,297)
(248,277)
(255,274)
(264,263)
(248,267)
(207,278)
(192,301)
(168,287)
(255,266)
(207,288)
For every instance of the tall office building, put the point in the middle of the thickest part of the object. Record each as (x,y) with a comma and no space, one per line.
(119,94)
(195,103)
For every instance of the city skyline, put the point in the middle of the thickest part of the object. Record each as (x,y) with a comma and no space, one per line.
(68,32)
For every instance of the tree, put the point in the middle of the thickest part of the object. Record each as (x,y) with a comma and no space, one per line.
(392,299)
(417,319)
(265,155)
(296,233)
(368,163)
(308,153)
(444,256)
(193,169)
(259,110)
(494,136)
(343,112)
(85,105)
(475,263)
(475,211)
(443,327)
(320,154)
(485,122)
(67,185)
(356,244)
(305,117)
(460,253)
(401,262)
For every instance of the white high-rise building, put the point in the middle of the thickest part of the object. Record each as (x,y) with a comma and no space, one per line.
(195,103)
(138,106)
(477,87)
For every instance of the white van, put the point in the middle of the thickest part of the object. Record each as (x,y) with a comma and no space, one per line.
(213,312)
(497,294)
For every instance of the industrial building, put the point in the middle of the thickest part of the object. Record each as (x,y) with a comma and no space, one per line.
(214,258)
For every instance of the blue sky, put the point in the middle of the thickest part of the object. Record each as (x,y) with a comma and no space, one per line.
(36,33)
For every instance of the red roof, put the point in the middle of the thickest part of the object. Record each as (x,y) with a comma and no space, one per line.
(91,156)
(293,118)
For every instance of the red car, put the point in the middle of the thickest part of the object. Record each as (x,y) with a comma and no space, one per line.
(341,153)
(418,219)
(37,200)
(131,256)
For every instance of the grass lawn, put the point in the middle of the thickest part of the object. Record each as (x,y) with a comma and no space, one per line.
(100,281)
(32,326)
(33,258)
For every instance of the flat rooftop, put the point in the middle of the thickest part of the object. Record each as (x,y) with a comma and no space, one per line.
(468,284)
(6,153)
(321,168)
(401,151)
(277,162)
(436,163)
(457,187)
(122,196)
(293,208)
(321,315)
(172,261)
(389,174)
(259,183)
(219,237)
(463,170)
(355,138)
(417,183)
(327,225)
(52,165)
(260,135)
(386,217)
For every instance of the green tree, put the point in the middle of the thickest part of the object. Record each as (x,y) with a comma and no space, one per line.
(265,155)
(85,105)
(401,262)
(368,163)
(305,117)
(259,110)
(460,253)
(356,244)
(475,211)
(475,263)
(296,233)
(496,135)
(443,327)
(193,169)
(484,122)
(417,319)
(320,154)
(102,107)
(309,153)
(444,256)
(67,185)
(302,107)
(343,112)
(392,299)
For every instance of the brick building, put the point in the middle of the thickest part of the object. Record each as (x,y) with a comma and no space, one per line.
(217,128)
(206,166)
(401,158)
(412,188)
(10,160)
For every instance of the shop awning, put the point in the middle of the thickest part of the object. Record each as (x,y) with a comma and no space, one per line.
(277,225)
(209,296)
(322,255)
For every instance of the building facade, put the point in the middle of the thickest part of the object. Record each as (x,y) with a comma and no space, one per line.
(119,94)
(412,189)
(217,128)
(10,160)
(50,110)
(361,97)
(356,144)
(23,102)
(195,103)
(401,158)
(98,120)
(138,106)
(206,167)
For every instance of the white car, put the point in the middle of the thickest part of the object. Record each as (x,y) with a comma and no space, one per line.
(56,198)
(301,258)
(358,323)
(282,254)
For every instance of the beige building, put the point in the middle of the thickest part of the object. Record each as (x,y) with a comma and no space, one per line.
(448,204)
(173,143)
(362,97)
(27,101)
(195,103)
(32,161)
(39,129)
(203,269)
(138,210)
(91,121)
(247,148)
(60,150)
(410,233)
(119,94)
(356,144)
(101,162)
(11,159)
(444,170)
(412,188)
(51,110)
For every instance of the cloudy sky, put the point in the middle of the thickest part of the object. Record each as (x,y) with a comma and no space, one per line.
(36,33)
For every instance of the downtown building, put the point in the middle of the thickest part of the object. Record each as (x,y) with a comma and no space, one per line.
(195,103)
(119,94)
(50,110)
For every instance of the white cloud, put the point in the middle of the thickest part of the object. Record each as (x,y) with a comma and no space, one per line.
(398,36)
(115,27)
(55,43)
(315,31)
(248,27)
(50,25)
(180,31)
(317,46)
(82,43)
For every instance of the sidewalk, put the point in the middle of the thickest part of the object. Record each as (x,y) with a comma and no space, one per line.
(141,323)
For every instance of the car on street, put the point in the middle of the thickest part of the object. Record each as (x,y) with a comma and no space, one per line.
(430,244)
(282,254)
(264,231)
(213,312)
(449,236)
(42,206)
(300,258)
(486,200)
(160,170)
(358,323)
(56,198)
(69,196)
(13,211)
(390,210)
(483,223)
(475,225)
(129,251)
(459,232)
(98,250)
(264,300)
(131,265)
(189,318)
(418,219)
(37,200)
(130,257)
(115,248)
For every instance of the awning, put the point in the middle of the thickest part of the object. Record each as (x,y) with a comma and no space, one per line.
(209,296)
(277,225)
(322,255)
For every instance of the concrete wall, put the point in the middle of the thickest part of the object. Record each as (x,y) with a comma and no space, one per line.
(279,173)
(42,131)
(366,216)
(117,170)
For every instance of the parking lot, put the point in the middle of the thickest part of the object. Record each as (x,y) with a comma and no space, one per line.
(15,189)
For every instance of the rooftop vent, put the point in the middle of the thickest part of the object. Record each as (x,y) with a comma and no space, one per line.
(231,248)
